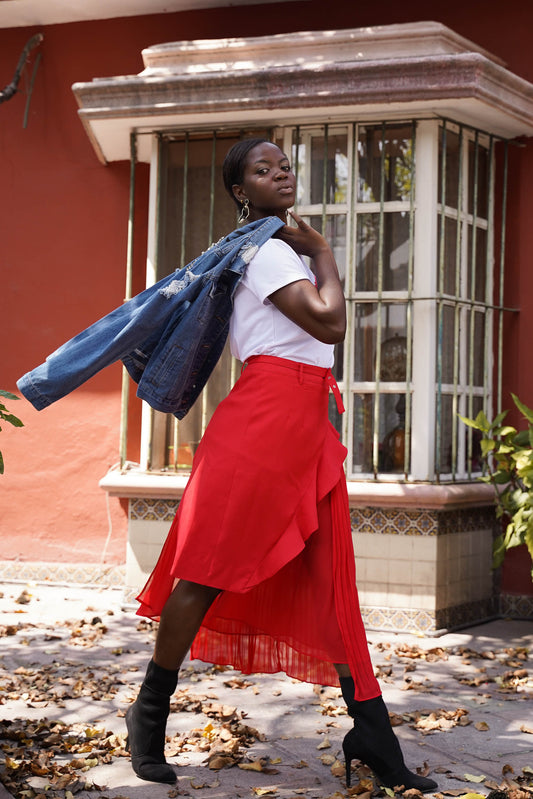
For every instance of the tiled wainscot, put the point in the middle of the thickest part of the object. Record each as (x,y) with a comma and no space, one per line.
(423,552)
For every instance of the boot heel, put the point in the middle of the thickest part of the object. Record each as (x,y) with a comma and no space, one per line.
(348,761)
(348,757)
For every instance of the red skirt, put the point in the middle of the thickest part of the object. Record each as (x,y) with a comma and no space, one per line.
(265,518)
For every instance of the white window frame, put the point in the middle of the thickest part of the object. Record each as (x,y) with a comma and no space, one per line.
(422,386)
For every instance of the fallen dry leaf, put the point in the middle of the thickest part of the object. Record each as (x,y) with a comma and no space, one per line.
(338,769)
(254,765)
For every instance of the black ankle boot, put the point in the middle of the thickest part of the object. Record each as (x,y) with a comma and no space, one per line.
(373,742)
(146,721)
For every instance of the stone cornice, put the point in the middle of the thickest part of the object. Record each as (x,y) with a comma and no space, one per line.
(470,87)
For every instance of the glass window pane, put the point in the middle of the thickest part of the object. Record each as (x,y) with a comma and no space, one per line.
(474,439)
(450,347)
(476,349)
(481,201)
(322,170)
(335,235)
(391,436)
(363,424)
(448,277)
(397,159)
(392,441)
(186,183)
(395,245)
(393,321)
(451,165)
(477,265)
(445,431)
(329,171)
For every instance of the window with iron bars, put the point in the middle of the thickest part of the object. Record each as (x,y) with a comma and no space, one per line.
(409,210)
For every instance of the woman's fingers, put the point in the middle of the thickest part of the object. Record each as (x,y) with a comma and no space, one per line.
(299,221)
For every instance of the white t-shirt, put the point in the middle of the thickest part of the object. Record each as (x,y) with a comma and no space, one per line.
(257,327)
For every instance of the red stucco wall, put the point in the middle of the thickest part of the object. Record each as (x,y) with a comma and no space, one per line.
(63,223)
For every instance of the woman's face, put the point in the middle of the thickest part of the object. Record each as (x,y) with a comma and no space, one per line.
(269,183)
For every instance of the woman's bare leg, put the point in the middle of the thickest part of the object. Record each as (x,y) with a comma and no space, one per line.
(180,621)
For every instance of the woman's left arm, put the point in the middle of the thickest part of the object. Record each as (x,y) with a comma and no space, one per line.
(320,310)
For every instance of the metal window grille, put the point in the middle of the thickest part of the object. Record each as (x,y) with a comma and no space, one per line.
(366,187)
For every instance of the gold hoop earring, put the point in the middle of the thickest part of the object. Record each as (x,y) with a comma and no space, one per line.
(245,211)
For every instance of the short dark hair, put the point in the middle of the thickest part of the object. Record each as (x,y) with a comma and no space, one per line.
(234,163)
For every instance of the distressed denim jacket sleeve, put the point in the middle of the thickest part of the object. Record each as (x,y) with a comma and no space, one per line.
(169,336)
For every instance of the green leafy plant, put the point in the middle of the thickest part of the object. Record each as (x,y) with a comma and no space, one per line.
(6,416)
(508,456)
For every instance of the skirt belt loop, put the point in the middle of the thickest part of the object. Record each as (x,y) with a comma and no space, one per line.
(332,383)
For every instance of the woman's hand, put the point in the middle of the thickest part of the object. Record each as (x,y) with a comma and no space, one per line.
(303,239)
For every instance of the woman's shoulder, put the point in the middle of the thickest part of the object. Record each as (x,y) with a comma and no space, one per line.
(278,249)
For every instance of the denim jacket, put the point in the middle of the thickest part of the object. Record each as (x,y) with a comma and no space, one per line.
(169,336)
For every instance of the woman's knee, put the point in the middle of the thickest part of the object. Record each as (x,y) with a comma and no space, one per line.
(195,593)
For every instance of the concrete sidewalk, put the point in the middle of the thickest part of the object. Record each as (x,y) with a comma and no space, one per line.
(463,703)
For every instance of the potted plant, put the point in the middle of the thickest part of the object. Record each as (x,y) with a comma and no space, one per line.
(507,454)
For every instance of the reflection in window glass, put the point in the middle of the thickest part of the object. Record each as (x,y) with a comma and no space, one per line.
(322,166)
(329,169)
(392,319)
(449,272)
(363,425)
(452,167)
(395,252)
(392,146)
(446,425)
(478,179)
(477,281)
(478,353)
(391,433)
(334,232)
(449,350)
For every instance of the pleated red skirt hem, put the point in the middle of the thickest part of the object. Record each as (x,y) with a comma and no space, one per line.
(265,518)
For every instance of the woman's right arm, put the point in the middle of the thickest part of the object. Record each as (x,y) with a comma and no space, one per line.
(320,310)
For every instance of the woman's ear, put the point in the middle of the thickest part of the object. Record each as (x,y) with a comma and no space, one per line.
(238,192)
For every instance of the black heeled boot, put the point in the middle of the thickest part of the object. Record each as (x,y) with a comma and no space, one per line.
(146,721)
(373,742)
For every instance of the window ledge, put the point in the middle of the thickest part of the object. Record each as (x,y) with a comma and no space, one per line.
(135,483)
(419,495)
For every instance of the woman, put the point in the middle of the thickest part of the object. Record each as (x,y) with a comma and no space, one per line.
(258,570)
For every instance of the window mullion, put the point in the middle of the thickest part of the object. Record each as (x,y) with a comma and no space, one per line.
(424,316)
(154,218)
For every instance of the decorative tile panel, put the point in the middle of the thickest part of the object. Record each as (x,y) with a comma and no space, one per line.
(421,522)
(69,573)
(430,622)
(516,606)
(394,522)
(153,510)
